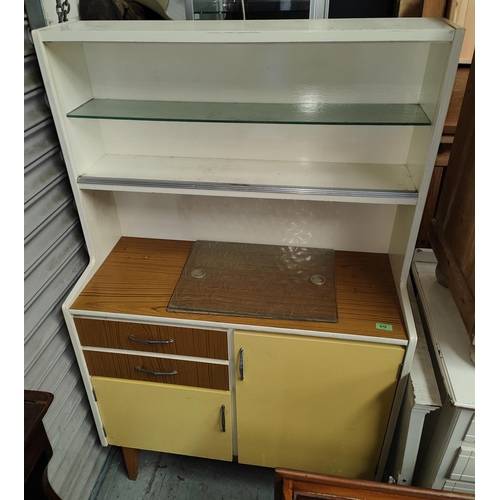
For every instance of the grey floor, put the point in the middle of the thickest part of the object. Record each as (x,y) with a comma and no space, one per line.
(174,477)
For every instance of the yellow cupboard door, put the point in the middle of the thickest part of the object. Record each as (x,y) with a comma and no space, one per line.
(158,417)
(312,404)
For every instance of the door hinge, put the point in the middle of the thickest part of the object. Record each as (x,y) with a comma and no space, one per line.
(104,430)
(400,369)
(95,397)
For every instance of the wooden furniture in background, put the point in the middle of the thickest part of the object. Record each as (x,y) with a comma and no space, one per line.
(443,155)
(296,485)
(452,233)
(461,12)
(447,452)
(37,448)
(420,8)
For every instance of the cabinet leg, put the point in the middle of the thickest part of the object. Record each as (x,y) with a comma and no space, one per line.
(131,456)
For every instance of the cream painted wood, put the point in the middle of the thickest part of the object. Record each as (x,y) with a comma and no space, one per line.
(289,143)
(257,220)
(436,93)
(156,417)
(447,332)
(365,183)
(81,143)
(327,30)
(386,60)
(269,73)
(313,404)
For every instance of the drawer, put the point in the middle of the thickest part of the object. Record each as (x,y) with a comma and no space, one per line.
(459,487)
(163,418)
(152,338)
(164,371)
(464,466)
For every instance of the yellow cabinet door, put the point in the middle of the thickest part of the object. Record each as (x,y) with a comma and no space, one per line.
(312,404)
(158,417)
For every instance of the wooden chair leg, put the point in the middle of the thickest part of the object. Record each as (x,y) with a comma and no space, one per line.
(131,456)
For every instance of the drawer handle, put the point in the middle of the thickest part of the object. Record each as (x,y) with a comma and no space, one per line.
(150,342)
(241,363)
(156,374)
(223,418)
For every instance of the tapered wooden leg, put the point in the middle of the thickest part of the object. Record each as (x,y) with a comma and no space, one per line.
(131,456)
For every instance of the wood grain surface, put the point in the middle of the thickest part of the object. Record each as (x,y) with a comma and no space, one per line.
(140,274)
(186,341)
(297,485)
(190,373)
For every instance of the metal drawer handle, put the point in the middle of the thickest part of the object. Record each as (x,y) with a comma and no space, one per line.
(223,418)
(241,363)
(150,342)
(158,374)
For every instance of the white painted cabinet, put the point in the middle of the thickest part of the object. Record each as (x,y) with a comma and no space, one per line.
(311,133)
(447,462)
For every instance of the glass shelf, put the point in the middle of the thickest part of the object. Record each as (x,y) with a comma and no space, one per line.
(230,112)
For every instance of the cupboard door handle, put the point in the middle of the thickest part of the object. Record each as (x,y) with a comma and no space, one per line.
(223,418)
(241,363)
(150,342)
(158,374)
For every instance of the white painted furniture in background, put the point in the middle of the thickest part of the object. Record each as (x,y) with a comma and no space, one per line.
(449,461)
(421,398)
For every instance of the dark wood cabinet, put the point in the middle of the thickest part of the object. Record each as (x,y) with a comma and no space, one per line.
(452,232)
(37,448)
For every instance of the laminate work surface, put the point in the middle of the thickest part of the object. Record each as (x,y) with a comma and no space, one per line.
(140,274)
(150,369)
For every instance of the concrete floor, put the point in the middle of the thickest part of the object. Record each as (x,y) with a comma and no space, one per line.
(175,477)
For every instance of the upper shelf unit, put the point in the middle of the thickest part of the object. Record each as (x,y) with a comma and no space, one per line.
(327,110)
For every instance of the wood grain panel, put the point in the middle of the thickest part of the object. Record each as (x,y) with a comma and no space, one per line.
(186,341)
(457,97)
(140,274)
(190,373)
(452,233)
(434,8)
(297,485)
(430,208)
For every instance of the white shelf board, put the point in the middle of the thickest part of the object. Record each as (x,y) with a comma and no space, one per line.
(267,31)
(364,183)
(422,376)
(450,340)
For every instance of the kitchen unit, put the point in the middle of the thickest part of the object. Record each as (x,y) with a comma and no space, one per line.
(304,134)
